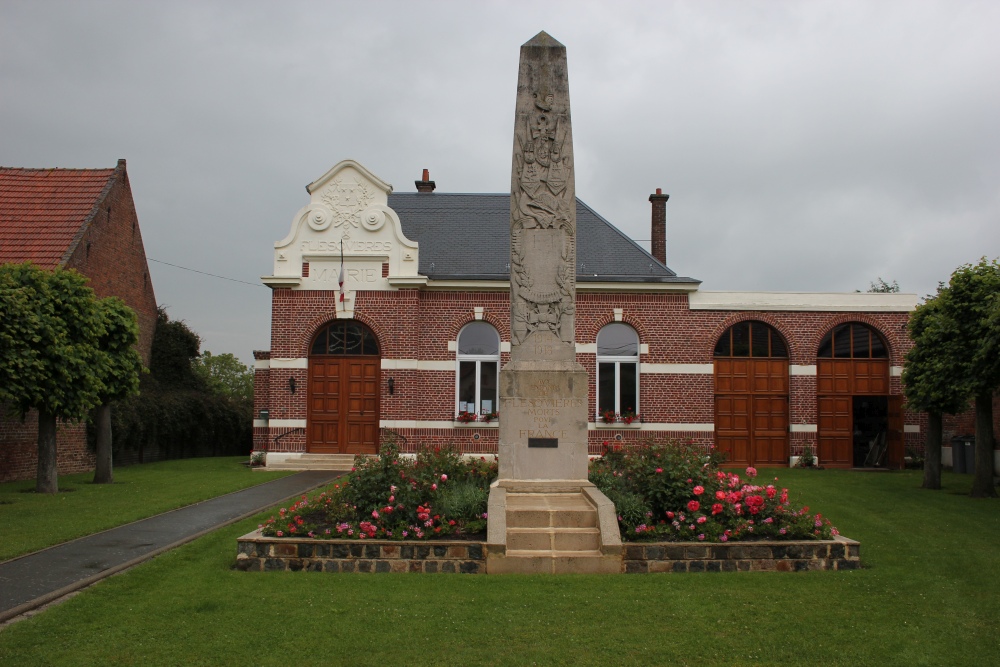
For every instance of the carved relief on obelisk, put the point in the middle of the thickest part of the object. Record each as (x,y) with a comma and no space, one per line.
(543,207)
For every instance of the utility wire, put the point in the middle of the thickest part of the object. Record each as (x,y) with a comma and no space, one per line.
(204,273)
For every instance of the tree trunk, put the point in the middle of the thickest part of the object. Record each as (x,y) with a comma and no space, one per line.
(982,481)
(103,472)
(47,480)
(932,452)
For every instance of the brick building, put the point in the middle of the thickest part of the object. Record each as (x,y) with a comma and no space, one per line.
(82,219)
(414,340)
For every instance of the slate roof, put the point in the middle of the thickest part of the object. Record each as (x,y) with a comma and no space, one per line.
(42,211)
(467,237)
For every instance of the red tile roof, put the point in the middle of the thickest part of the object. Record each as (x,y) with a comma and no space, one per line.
(43,210)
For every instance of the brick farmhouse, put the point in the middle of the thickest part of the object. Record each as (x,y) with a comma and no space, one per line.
(82,219)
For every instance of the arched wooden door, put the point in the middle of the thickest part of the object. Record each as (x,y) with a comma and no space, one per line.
(751,395)
(859,423)
(344,382)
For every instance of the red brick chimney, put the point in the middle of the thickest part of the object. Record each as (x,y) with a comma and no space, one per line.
(425,185)
(658,231)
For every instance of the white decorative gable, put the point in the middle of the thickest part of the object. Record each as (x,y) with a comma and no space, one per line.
(347,216)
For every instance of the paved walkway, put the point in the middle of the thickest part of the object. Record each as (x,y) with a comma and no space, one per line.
(36,579)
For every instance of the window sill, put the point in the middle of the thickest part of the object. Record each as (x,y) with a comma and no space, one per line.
(492,424)
(618,426)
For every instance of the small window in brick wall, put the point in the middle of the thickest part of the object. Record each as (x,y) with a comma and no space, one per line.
(305,269)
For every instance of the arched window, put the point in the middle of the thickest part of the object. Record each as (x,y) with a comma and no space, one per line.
(478,369)
(751,339)
(345,337)
(617,371)
(852,340)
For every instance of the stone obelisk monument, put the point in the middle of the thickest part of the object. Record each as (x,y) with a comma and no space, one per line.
(543,390)
(544,515)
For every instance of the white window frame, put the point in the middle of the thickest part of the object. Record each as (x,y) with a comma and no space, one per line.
(617,360)
(479,360)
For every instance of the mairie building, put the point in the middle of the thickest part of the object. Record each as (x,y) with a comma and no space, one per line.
(411,346)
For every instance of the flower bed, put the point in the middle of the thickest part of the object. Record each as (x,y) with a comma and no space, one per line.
(677,508)
(390,497)
(677,492)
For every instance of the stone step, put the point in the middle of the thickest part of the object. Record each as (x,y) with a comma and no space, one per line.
(307,466)
(554,539)
(544,518)
(554,562)
(311,462)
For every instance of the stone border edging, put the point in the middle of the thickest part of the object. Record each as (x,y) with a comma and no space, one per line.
(258,553)
(840,553)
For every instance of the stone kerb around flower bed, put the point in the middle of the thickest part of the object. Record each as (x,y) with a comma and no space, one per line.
(839,553)
(259,553)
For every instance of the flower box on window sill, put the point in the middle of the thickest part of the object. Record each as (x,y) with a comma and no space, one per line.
(619,425)
(477,424)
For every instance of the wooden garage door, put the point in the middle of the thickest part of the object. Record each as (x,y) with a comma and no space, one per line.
(752,429)
(852,361)
(751,395)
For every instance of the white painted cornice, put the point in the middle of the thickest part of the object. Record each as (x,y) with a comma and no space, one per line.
(860,302)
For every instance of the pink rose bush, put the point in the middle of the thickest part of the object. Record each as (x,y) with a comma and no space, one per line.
(394,497)
(676,491)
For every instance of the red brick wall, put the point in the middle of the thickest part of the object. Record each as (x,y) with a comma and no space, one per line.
(412,324)
(19,448)
(110,253)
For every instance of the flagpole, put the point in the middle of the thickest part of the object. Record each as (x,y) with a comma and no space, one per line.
(341,278)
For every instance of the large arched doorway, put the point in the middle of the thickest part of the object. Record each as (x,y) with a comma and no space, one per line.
(859,423)
(344,372)
(751,395)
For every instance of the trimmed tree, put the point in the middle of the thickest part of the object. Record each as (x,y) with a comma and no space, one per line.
(927,378)
(975,289)
(50,327)
(955,357)
(119,371)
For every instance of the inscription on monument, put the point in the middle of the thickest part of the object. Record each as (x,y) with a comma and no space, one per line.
(543,442)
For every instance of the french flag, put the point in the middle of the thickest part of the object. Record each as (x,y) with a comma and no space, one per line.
(341,278)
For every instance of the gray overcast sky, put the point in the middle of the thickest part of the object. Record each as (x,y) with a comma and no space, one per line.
(806,146)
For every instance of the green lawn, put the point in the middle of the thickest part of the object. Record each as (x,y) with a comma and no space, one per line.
(929,594)
(30,521)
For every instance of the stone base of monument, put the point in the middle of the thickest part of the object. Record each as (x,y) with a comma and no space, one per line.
(551,527)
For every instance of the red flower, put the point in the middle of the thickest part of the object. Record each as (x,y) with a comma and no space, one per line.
(717,508)
(693,506)
(698,490)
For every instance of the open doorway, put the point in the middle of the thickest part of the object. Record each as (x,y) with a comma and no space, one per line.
(871,431)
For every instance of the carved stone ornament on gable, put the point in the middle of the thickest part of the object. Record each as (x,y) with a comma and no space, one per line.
(345,199)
